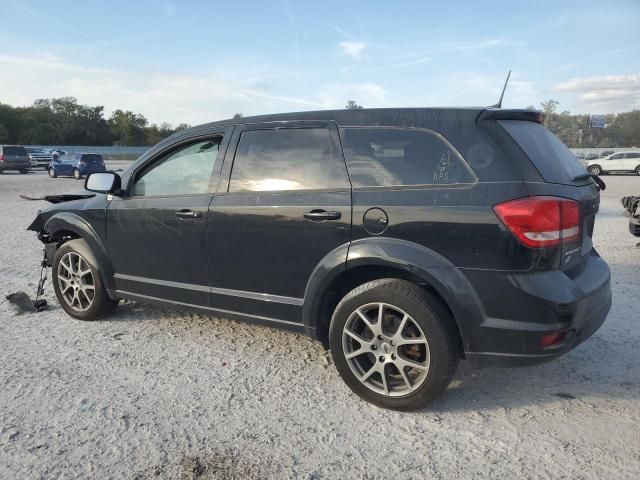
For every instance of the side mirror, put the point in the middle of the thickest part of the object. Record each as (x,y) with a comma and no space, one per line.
(103,182)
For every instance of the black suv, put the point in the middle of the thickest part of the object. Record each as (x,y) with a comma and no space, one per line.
(403,239)
(14,157)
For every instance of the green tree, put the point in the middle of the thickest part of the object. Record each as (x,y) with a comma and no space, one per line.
(237,115)
(352,105)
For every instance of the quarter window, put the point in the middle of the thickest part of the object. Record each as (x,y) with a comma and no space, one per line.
(384,156)
(186,171)
(287,159)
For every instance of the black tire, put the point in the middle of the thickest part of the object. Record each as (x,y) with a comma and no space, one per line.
(101,304)
(52,173)
(76,174)
(595,169)
(432,318)
(24,171)
(638,170)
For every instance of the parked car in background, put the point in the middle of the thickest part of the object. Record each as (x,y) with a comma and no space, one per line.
(14,157)
(591,156)
(618,162)
(580,156)
(76,165)
(40,157)
(403,239)
(606,153)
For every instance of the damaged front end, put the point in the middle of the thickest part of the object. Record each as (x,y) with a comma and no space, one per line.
(51,242)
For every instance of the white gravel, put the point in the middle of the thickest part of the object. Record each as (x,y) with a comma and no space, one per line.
(159,394)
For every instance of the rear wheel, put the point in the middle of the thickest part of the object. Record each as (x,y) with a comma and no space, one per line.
(638,170)
(77,283)
(394,344)
(24,171)
(595,169)
(52,173)
(76,174)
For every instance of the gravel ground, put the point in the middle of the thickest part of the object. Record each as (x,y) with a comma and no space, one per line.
(159,394)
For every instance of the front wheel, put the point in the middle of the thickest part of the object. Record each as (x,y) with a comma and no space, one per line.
(77,283)
(52,173)
(638,170)
(595,169)
(394,344)
(76,174)
(24,171)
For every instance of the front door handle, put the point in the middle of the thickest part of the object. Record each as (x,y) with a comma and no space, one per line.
(319,215)
(184,214)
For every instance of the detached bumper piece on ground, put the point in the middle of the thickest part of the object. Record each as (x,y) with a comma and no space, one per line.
(631,205)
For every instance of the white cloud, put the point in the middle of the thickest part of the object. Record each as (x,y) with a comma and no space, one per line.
(367,94)
(162,96)
(612,93)
(354,49)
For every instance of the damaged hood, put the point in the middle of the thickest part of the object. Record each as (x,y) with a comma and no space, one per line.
(65,197)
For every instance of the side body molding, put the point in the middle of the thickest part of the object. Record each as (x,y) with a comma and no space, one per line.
(436,271)
(67,221)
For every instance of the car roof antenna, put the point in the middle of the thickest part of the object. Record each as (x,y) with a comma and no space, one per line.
(499,104)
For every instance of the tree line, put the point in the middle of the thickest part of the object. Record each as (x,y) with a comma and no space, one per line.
(621,129)
(63,121)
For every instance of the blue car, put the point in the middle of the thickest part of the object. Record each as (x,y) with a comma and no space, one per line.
(76,165)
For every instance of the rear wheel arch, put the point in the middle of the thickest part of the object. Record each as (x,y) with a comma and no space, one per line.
(397,259)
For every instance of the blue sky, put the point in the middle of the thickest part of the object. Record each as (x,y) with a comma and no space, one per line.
(199,61)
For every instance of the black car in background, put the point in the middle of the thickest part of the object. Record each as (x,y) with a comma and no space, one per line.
(403,239)
(14,157)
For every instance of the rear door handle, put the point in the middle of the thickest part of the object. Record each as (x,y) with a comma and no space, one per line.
(184,214)
(319,215)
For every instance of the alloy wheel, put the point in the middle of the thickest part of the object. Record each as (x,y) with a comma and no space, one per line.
(386,349)
(76,282)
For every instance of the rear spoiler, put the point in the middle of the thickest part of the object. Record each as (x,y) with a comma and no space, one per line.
(517,114)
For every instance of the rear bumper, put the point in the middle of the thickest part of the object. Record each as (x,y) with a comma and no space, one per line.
(15,165)
(526,307)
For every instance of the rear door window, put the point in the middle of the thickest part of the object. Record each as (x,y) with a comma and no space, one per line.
(633,155)
(287,159)
(389,157)
(15,151)
(549,155)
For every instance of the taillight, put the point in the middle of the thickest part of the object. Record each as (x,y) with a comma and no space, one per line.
(1,157)
(541,221)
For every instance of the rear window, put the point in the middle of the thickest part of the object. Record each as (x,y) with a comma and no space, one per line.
(549,155)
(388,157)
(92,158)
(14,151)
